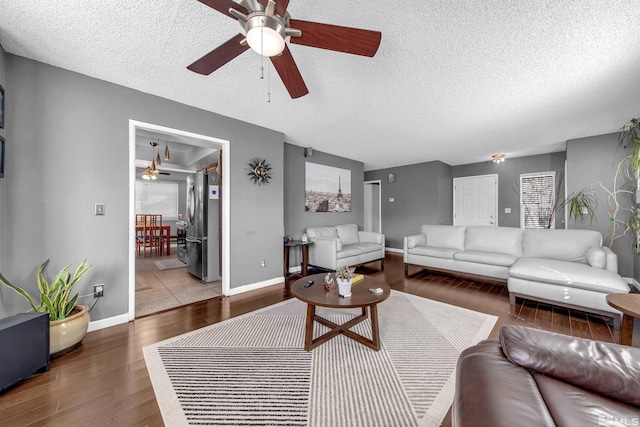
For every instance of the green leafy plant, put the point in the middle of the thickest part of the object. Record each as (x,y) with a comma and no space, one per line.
(345,273)
(582,205)
(55,298)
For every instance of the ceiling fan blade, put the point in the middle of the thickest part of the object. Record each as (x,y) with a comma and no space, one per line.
(289,73)
(219,56)
(223,6)
(281,5)
(334,37)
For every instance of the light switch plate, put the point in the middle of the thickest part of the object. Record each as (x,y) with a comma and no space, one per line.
(507,210)
(99,208)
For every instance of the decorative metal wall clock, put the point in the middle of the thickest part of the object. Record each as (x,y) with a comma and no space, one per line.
(259,171)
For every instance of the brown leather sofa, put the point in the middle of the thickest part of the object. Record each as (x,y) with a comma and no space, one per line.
(531,377)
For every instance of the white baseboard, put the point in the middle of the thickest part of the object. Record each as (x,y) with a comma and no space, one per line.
(394,250)
(254,286)
(296,269)
(110,321)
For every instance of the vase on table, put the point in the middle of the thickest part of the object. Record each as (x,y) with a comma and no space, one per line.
(344,287)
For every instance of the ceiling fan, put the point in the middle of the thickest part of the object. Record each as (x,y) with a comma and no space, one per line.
(266,24)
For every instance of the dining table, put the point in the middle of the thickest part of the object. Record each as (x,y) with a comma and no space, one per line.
(165,230)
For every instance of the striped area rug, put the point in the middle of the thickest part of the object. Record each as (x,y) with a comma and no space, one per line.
(252,370)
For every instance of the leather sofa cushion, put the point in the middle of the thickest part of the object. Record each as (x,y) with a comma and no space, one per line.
(349,250)
(492,391)
(609,369)
(322,232)
(573,406)
(444,236)
(568,273)
(348,234)
(433,252)
(503,260)
(367,247)
(596,257)
(565,245)
(499,240)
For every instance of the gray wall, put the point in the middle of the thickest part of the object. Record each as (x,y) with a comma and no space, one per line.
(3,133)
(68,148)
(509,181)
(296,220)
(591,160)
(422,193)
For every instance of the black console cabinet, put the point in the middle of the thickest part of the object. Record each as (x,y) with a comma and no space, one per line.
(24,347)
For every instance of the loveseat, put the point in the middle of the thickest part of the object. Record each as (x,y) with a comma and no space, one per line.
(569,268)
(343,245)
(531,377)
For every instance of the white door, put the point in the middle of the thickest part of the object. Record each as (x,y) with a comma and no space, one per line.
(372,206)
(475,200)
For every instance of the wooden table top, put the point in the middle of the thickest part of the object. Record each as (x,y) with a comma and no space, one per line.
(317,295)
(627,303)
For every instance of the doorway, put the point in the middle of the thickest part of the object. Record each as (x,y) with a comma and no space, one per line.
(373,206)
(475,200)
(200,142)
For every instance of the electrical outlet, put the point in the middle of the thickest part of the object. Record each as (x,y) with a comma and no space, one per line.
(263,263)
(98,290)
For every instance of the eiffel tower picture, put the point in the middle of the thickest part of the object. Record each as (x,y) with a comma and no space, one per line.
(327,188)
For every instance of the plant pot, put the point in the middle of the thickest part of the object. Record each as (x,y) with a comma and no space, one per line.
(344,287)
(67,334)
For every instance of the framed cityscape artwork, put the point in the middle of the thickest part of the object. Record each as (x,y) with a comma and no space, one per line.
(327,189)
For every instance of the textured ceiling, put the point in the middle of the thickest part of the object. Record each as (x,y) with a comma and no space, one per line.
(453,80)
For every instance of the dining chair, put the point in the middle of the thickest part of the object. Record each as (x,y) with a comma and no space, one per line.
(139,233)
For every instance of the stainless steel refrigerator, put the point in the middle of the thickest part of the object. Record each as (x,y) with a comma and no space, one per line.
(202,229)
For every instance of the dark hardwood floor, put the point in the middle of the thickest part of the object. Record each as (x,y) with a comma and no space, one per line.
(105,381)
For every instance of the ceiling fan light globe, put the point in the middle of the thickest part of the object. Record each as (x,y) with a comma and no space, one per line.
(265,35)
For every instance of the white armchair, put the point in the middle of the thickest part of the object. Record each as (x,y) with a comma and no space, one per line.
(343,245)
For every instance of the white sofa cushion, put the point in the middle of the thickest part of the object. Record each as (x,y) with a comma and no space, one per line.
(504,260)
(349,251)
(567,273)
(433,252)
(596,257)
(499,240)
(565,245)
(348,234)
(322,232)
(444,236)
(367,247)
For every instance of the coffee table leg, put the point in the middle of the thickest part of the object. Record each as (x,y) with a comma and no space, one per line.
(375,331)
(308,333)
(626,331)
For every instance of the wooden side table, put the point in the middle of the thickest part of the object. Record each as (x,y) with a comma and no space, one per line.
(629,305)
(305,255)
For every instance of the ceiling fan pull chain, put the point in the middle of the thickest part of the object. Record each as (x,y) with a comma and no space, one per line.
(261,55)
(268,83)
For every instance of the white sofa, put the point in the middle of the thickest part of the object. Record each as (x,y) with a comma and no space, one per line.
(343,245)
(569,268)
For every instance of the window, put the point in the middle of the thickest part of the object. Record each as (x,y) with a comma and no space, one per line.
(160,197)
(537,200)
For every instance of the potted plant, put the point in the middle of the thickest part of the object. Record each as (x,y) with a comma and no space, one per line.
(68,321)
(344,277)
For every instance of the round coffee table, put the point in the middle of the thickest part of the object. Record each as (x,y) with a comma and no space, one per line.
(316,296)
(629,305)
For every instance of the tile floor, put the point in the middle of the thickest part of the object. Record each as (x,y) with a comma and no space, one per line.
(159,290)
